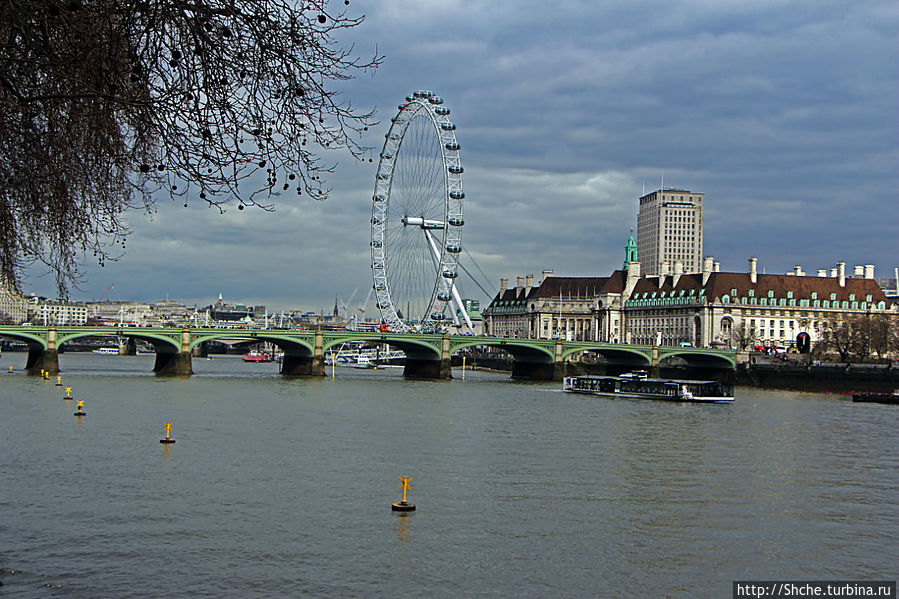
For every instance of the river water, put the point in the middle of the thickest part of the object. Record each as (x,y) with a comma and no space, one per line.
(282,487)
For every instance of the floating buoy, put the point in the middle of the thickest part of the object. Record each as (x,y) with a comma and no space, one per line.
(80,411)
(68,393)
(168,430)
(403,505)
(59,381)
(10,370)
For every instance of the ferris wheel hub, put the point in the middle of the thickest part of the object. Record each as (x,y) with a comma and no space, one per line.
(424,223)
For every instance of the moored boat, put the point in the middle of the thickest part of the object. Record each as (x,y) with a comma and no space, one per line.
(875,397)
(363,362)
(640,386)
(106,351)
(257,356)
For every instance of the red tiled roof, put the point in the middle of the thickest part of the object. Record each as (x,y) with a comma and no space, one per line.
(584,287)
(723,283)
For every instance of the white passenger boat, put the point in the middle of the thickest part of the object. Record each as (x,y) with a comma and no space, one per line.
(107,351)
(640,386)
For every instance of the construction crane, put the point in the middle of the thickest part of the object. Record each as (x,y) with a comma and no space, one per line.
(100,299)
(362,305)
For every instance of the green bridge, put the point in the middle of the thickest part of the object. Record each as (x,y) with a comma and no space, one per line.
(427,356)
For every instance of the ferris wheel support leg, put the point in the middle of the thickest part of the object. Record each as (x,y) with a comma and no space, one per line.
(461,307)
(457,299)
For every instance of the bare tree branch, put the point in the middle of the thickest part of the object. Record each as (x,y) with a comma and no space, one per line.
(105,104)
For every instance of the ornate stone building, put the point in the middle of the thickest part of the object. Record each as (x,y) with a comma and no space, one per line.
(708,308)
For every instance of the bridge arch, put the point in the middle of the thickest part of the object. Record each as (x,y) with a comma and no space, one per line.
(40,356)
(699,358)
(159,341)
(412,346)
(532,358)
(31,340)
(295,345)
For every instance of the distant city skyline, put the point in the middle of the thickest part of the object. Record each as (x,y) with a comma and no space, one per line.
(782,115)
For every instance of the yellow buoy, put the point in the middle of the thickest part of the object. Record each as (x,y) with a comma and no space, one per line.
(68,393)
(10,370)
(80,411)
(403,506)
(168,431)
(59,381)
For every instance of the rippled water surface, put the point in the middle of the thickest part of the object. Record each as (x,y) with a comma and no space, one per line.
(282,487)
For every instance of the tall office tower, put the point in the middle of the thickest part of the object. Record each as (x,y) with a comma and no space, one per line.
(669,230)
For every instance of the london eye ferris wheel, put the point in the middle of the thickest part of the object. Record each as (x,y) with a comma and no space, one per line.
(416,219)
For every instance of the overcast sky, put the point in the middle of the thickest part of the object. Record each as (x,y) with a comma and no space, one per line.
(783,113)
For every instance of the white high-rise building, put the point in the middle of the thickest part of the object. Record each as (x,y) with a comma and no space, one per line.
(669,231)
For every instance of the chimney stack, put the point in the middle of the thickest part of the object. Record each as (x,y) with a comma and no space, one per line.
(708,263)
(678,271)
(858,272)
(716,267)
(503,285)
(529,282)
(841,272)
(753,275)
(547,274)
(797,271)
(869,271)
(822,272)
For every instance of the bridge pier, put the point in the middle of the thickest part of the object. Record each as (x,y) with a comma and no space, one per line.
(295,364)
(538,371)
(42,359)
(128,347)
(423,366)
(46,359)
(302,365)
(537,366)
(175,362)
(654,370)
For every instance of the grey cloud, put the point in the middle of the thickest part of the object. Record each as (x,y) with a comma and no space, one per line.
(783,114)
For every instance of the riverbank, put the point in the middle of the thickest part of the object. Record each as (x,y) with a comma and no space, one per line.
(833,378)
(824,377)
